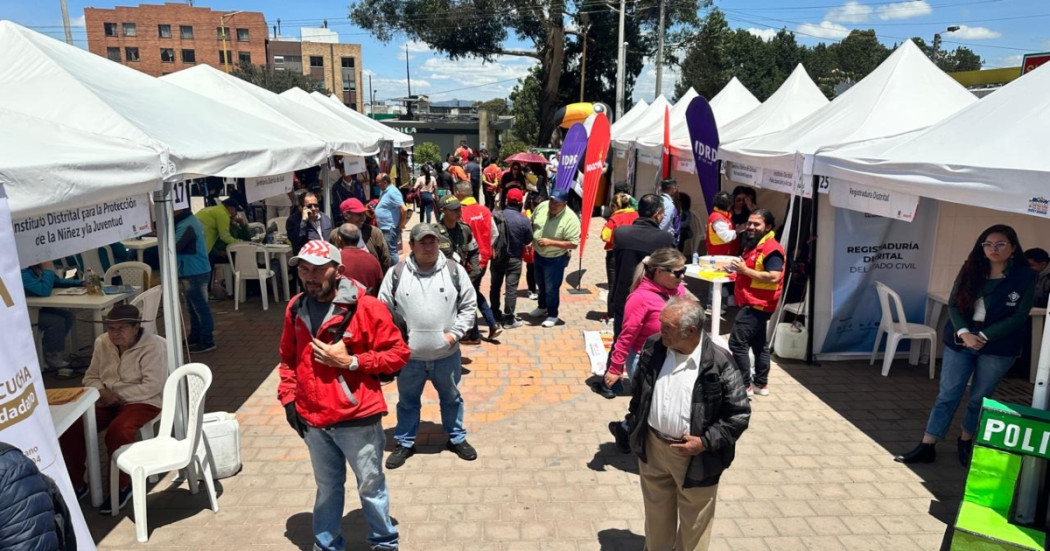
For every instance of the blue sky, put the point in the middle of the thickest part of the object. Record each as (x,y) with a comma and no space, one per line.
(1000,31)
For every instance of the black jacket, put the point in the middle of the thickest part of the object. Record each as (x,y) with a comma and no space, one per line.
(32,514)
(630,245)
(720,411)
(519,231)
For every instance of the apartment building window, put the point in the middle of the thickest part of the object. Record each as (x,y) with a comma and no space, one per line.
(348,62)
(349,77)
(224,56)
(131,54)
(167,55)
(220,33)
(244,58)
(113,54)
(130,29)
(110,28)
(242,35)
(189,56)
(164,31)
(186,32)
(316,61)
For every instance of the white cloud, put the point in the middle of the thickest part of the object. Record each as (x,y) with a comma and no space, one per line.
(764,34)
(905,10)
(1046,43)
(388,87)
(413,47)
(645,84)
(472,78)
(77,22)
(850,12)
(826,29)
(974,33)
(1006,61)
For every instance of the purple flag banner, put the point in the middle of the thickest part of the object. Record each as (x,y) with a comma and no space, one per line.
(703,138)
(570,156)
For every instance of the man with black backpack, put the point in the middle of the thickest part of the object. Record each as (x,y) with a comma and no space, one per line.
(335,344)
(515,232)
(433,302)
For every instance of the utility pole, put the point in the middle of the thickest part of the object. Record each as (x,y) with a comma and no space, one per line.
(620,61)
(583,64)
(65,22)
(408,76)
(660,52)
(371,98)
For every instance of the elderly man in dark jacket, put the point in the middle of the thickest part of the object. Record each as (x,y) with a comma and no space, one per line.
(688,409)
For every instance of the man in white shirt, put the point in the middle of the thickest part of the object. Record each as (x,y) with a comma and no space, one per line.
(682,444)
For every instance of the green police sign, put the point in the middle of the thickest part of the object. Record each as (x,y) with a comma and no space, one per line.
(1015,429)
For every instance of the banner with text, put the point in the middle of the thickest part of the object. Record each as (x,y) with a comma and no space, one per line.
(871,248)
(354,164)
(569,157)
(257,189)
(180,195)
(881,202)
(25,420)
(593,168)
(703,137)
(67,232)
(744,174)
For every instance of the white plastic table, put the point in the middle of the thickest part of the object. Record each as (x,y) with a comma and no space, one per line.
(63,416)
(282,252)
(693,271)
(937,303)
(139,245)
(95,303)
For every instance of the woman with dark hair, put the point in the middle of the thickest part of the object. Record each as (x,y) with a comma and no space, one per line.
(426,187)
(988,307)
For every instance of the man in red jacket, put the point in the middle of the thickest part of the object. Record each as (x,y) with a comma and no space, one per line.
(479,218)
(335,342)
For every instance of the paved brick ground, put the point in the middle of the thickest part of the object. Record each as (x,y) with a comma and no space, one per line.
(814,470)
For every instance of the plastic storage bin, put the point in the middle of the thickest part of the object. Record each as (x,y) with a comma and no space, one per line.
(224,437)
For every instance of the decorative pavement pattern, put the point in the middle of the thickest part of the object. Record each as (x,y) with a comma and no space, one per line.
(813,471)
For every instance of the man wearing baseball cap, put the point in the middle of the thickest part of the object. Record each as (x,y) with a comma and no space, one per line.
(556,232)
(335,343)
(459,245)
(354,212)
(506,265)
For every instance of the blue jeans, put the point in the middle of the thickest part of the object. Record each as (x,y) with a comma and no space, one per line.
(483,307)
(956,369)
(444,374)
(550,272)
(393,238)
(426,205)
(54,324)
(362,447)
(202,325)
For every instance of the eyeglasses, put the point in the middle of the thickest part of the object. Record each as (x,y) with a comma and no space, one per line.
(998,245)
(313,206)
(678,274)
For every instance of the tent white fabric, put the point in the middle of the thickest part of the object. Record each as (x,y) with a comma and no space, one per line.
(651,141)
(400,139)
(47,166)
(732,102)
(631,114)
(797,98)
(992,153)
(906,92)
(240,94)
(653,115)
(323,104)
(43,77)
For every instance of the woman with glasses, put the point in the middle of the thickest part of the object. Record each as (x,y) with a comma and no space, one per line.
(988,307)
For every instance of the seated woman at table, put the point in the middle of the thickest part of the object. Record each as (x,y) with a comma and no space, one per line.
(54,323)
(128,367)
(987,307)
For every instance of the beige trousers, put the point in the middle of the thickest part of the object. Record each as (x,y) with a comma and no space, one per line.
(675,517)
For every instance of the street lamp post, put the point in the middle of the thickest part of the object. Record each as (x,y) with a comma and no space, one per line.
(937,42)
(222,25)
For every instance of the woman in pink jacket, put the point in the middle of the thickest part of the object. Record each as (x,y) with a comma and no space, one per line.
(657,279)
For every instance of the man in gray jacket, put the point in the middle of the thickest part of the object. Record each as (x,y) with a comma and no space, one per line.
(433,300)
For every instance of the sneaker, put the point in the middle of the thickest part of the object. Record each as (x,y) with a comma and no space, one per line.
(762,390)
(620,436)
(399,456)
(464,450)
(122,499)
(494,331)
(550,322)
(533,296)
(54,360)
(199,348)
(82,492)
(513,324)
(750,391)
(538,313)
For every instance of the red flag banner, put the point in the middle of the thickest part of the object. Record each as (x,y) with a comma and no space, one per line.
(593,166)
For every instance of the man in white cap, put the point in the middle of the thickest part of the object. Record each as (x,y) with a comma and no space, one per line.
(335,343)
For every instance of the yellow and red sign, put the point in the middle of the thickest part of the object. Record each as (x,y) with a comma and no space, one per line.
(1031,61)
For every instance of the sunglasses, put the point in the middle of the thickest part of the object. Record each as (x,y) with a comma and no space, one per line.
(313,206)
(998,245)
(678,274)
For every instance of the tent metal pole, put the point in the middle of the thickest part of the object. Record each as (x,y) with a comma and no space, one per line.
(328,190)
(1032,467)
(812,282)
(169,278)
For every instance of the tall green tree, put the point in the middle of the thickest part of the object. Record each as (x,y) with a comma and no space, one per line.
(959,59)
(706,64)
(278,81)
(859,54)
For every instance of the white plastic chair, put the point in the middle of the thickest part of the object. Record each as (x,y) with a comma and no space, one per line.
(897,330)
(164,453)
(133,273)
(245,259)
(276,224)
(256,228)
(148,304)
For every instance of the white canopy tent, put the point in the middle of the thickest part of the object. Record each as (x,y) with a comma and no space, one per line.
(797,98)
(341,137)
(904,93)
(624,136)
(632,114)
(47,166)
(732,102)
(323,104)
(400,139)
(651,139)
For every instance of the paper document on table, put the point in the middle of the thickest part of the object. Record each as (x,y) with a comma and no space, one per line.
(59,396)
(71,291)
